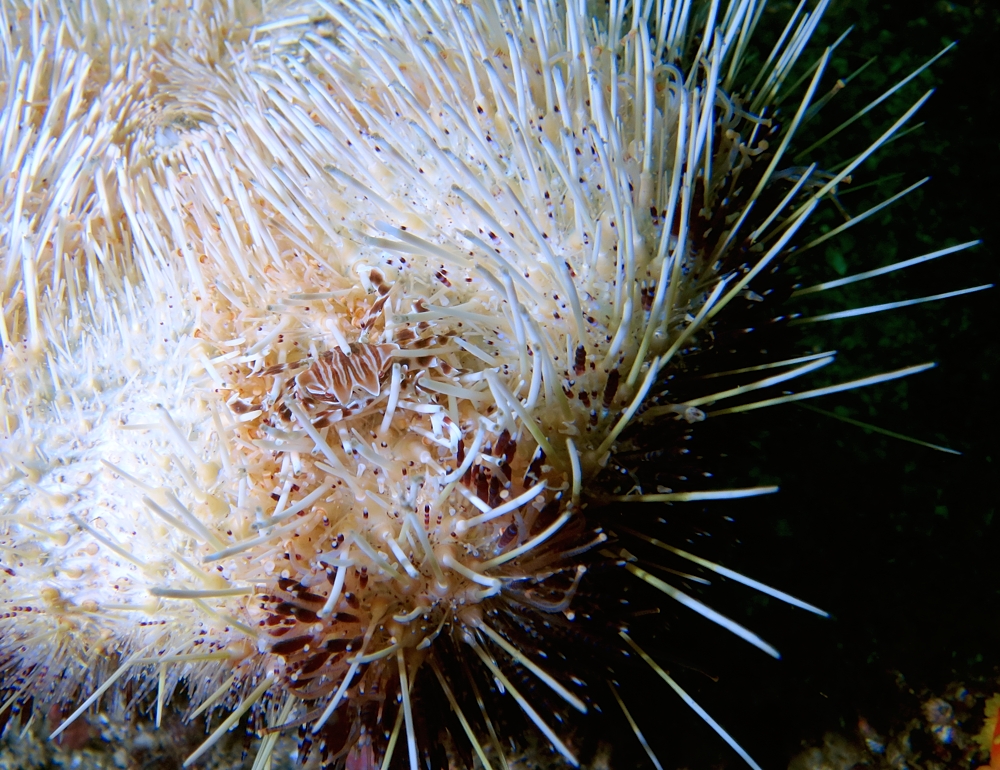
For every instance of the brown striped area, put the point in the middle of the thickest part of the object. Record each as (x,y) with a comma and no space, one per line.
(334,376)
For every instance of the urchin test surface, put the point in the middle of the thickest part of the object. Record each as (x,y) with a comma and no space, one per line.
(212,214)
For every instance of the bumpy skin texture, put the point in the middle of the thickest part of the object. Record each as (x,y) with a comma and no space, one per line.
(319,328)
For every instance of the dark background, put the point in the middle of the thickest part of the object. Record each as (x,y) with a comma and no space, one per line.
(898,542)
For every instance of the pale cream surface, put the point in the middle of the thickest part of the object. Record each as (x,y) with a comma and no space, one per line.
(192,209)
(197,202)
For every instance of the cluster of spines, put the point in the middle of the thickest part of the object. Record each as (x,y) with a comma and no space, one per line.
(683,286)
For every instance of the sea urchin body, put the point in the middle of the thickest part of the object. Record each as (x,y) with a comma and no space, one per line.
(320,326)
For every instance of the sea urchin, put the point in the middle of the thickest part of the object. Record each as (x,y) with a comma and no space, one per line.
(322,326)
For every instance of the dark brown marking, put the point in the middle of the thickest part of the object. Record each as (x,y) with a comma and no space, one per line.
(507,536)
(291,646)
(611,388)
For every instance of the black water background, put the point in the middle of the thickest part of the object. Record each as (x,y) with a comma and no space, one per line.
(898,542)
